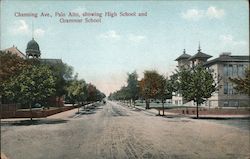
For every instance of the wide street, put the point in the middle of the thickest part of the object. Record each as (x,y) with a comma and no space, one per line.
(116,131)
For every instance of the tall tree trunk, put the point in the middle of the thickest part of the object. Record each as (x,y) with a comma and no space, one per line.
(30,112)
(147,104)
(130,104)
(134,102)
(57,101)
(78,108)
(197,110)
(163,108)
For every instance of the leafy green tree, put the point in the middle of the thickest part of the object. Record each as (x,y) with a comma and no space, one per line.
(165,92)
(91,92)
(63,74)
(122,94)
(133,86)
(151,86)
(10,65)
(34,84)
(196,84)
(94,94)
(242,83)
(77,91)
(173,82)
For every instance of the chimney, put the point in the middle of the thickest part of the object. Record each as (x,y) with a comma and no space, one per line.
(225,54)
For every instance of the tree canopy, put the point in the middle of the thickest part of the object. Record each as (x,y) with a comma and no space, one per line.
(196,84)
(77,91)
(10,65)
(152,86)
(133,86)
(242,83)
(32,84)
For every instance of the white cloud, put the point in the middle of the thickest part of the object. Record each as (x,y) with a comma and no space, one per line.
(20,27)
(136,38)
(39,32)
(213,12)
(228,40)
(195,14)
(110,35)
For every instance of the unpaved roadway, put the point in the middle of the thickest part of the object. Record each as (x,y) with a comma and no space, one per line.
(114,131)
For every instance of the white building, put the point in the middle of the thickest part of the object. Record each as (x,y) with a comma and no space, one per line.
(224,67)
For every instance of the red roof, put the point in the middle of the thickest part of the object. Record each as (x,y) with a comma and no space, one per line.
(15,51)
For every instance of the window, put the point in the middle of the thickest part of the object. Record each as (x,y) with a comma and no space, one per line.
(240,70)
(210,103)
(230,70)
(230,89)
(225,104)
(225,88)
(235,70)
(225,70)
(233,103)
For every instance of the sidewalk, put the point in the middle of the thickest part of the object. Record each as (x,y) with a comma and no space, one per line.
(152,111)
(220,116)
(68,114)
(62,115)
(156,112)
(209,116)
(170,114)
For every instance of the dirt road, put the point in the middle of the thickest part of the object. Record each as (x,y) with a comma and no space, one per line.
(115,131)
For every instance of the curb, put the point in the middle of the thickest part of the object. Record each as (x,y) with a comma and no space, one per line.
(220,117)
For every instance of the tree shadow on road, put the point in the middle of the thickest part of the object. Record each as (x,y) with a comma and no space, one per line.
(88,111)
(34,122)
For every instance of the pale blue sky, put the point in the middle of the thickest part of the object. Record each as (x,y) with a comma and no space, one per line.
(103,53)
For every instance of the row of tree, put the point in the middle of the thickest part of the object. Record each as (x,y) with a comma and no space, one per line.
(78,91)
(195,84)
(30,81)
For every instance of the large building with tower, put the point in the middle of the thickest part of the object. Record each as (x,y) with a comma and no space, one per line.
(223,67)
(33,52)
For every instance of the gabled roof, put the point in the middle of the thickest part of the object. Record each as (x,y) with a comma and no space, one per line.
(199,55)
(14,50)
(227,58)
(183,56)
